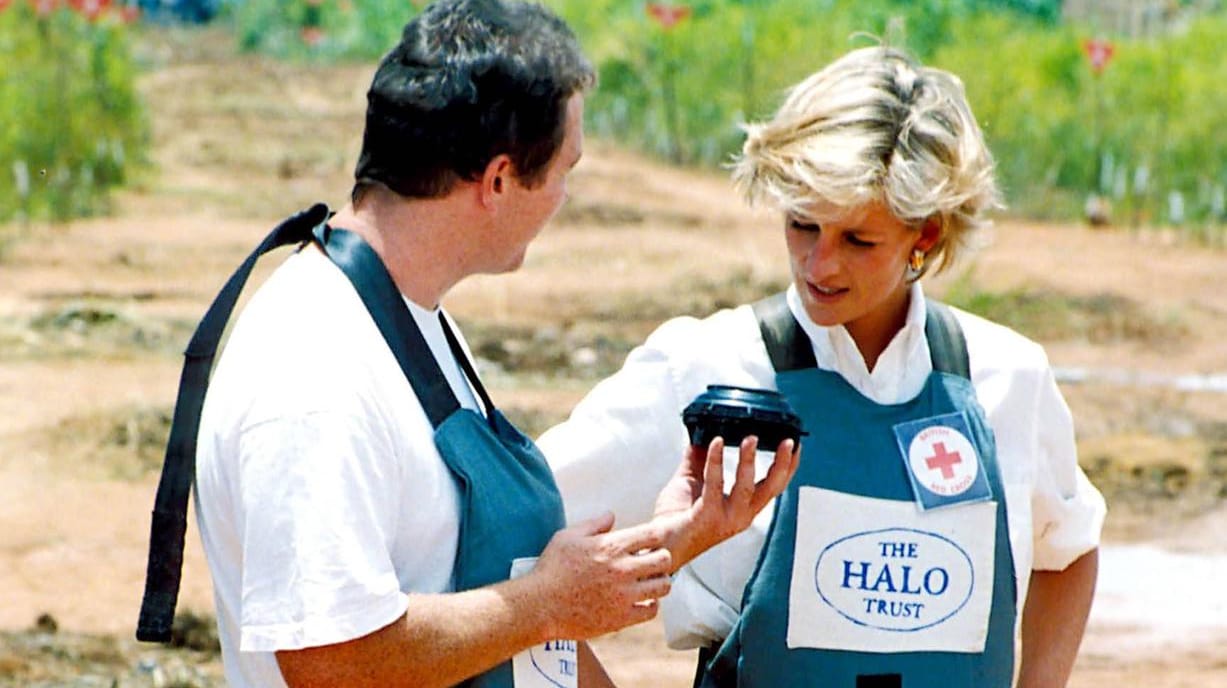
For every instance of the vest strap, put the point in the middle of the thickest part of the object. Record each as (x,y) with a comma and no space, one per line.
(947,346)
(169,525)
(385,304)
(383,300)
(789,348)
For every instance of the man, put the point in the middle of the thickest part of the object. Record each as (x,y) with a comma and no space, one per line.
(368,516)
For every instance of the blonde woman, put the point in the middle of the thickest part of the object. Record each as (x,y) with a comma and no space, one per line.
(938,532)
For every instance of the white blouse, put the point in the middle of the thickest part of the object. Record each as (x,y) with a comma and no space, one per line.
(625,439)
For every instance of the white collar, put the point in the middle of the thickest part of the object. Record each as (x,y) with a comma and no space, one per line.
(902,368)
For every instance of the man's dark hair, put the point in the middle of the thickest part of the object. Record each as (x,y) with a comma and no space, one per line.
(470,80)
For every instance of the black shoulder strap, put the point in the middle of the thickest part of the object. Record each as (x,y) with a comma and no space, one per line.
(789,348)
(947,346)
(385,304)
(787,345)
(169,526)
(383,300)
(467,367)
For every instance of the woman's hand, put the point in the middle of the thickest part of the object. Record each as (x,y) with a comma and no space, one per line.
(696,512)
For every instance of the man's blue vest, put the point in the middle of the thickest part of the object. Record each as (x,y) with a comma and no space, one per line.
(509,504)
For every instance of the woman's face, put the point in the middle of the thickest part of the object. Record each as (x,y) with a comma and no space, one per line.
(850,268)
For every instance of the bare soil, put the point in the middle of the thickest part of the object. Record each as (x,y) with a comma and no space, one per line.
(93,315)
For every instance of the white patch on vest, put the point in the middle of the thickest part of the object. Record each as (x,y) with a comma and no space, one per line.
(943,460)
(879,575)
(552,665)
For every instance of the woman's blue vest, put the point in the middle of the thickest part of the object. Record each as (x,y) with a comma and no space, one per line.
(852,448)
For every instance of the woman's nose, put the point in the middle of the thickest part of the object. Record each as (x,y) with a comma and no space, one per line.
(823,259)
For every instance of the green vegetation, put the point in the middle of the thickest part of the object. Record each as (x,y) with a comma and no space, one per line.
(1046,315)
(72,122)
(1141,133)
(323,30)
(682,90)
(1144,133)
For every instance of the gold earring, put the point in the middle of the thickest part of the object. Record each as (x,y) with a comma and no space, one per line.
(916,261)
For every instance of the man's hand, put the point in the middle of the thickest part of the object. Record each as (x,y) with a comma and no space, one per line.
(696,512)
(596,580)
(588,581)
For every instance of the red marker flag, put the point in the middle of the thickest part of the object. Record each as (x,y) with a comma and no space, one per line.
(1099,52)
(667,16)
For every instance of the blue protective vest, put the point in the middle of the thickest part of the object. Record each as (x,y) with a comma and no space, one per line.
(852,449)
(510,506)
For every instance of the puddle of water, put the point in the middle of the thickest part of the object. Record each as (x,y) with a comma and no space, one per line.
(1131,378)
(1158,597)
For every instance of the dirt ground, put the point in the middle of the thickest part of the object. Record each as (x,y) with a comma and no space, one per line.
(93,315)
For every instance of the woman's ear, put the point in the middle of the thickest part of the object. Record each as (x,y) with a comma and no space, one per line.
(930,234)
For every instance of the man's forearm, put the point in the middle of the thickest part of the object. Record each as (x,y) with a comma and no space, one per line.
(1054,619)
(588,581)
(441,640)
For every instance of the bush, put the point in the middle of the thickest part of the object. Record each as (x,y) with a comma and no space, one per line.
(1144,133)
(72,122)
(683,90)
(324,30)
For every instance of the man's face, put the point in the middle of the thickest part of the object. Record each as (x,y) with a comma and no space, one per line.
(531,208)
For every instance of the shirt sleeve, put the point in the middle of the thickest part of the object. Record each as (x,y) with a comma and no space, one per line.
(693,614)
(622,442)
(320,512)
(1068,511)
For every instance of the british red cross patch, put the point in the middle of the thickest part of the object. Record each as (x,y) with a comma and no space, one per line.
(942,461)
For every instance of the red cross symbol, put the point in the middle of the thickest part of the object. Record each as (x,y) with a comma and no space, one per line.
(943,460)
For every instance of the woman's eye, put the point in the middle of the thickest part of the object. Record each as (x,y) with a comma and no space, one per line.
(803,226)
(857,241)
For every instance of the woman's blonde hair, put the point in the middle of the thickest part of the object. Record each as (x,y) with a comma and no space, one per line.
(875,126)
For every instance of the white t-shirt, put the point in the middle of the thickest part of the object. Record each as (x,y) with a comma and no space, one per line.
(630,425)
(321,498)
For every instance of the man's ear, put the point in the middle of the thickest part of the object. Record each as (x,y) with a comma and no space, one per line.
(494,180)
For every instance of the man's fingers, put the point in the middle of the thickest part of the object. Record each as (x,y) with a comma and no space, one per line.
(644,536)
(643,611)
(595,525)
(650,563)
(652,589)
